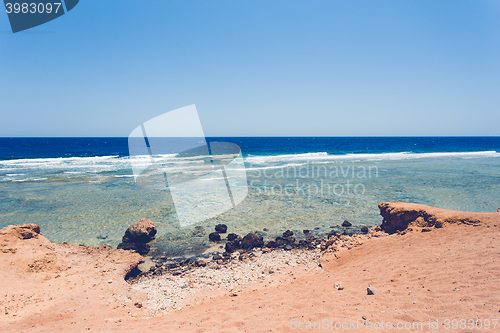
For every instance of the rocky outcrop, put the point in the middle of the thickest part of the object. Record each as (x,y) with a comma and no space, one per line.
(35,268)
(140,232)
(138,235)
(23,231)
(400,217)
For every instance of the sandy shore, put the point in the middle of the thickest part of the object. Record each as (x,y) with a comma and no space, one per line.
(431,266)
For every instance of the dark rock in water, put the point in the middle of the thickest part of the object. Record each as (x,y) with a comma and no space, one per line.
(214,237)
(288,233)
(252,240)
(232,237)
(217,257)
(364,229)
(498,210)
(140,232)
(346,223)
(265,229)
(317,228)
(287,247)
(333,233)
(141,248)
(233,246)
(371,290)
(280,242)
(305,231)
(101,237)
(198,227)
(271,244)
(198,233)
(221,228)
(260,233)
(226,255)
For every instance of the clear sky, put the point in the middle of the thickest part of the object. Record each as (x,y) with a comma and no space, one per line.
(257,68)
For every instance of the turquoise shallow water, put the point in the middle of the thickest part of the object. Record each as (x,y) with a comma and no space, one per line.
(92,201)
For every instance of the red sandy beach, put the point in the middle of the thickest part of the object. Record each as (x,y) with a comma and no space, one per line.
(430,269)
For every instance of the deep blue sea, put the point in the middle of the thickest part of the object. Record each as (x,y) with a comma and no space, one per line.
(83,190)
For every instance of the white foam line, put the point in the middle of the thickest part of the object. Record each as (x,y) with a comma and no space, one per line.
(27,179)
(368,157)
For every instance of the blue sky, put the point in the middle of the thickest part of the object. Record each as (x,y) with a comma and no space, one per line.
(257,68)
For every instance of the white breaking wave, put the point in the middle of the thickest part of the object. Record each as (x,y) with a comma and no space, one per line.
(13,169)
(319,157)
(27,180)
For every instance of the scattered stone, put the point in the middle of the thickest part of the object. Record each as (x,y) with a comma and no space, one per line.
(265,229)
(221,228)
(288,247)
(214,237)
(198,227)
(271,244)
(317,228)
(233,245)
(426,229)
(280,242)
(305,231)
(138,305)
(288,233)
(268,270)
(232,237)
(364,229)
(252,240)
(333,234)
(338,286)
(198,233)
(217,257)
(266,250)
(200,263)
(101,237)
(371,290)
(346,223)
